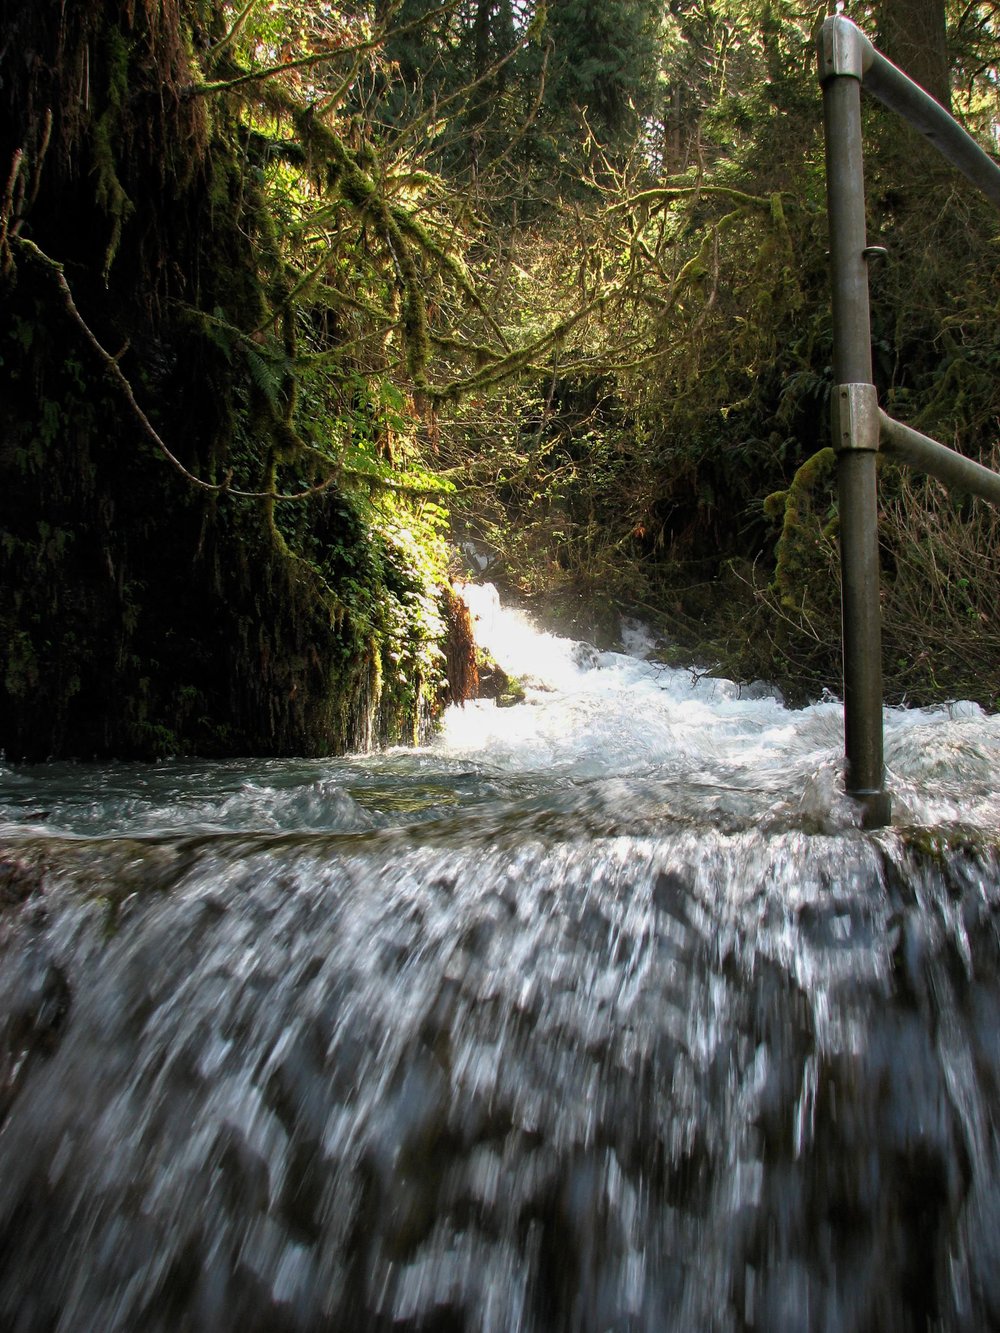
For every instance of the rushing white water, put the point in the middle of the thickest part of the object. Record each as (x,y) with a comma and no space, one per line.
(727,749)
(615,733)
(598,1013)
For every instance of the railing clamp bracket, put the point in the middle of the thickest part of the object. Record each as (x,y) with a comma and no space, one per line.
(854,418)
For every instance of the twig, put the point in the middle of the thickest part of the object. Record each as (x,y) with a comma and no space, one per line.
(114,370)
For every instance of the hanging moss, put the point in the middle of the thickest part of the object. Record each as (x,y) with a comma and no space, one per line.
(109,193)
(803,548)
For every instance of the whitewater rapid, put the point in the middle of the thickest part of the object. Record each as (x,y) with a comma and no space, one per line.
(615,735)
(726,748)
(599,1012)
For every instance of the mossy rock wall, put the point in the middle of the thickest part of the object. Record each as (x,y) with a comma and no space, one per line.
(139,614)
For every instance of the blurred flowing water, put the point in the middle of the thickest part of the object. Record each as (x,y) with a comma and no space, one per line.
(598,1013)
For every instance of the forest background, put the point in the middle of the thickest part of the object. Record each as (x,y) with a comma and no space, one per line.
(299,296)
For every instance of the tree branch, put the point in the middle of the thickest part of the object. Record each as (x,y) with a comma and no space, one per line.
(112,367)
(379,39)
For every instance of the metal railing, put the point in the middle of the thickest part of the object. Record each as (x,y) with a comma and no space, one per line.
(849,62)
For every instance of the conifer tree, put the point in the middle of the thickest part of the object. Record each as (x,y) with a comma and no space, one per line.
(605,63)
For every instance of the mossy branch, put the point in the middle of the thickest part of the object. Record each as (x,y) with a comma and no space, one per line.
(244,77)
(517,362)
(440,486)
(18,195)
(238,24)
(398,232)
(667,193)
(7,211)
(271,71)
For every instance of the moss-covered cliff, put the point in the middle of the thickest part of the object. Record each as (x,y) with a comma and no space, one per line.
(152,360)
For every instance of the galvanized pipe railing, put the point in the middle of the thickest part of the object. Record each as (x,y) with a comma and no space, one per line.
(927,455)
(847,63)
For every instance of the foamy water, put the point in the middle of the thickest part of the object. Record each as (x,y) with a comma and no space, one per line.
(620,734)
(589,715)
(596,1013)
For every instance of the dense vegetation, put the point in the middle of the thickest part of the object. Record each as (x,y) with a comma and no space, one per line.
(290,286)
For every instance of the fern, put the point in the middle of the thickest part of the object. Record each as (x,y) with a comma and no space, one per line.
(267,376)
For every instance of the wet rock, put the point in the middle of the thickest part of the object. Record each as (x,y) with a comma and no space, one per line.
(493,680)
(19,880)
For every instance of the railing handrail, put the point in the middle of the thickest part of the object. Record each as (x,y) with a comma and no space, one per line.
(847,62)
(845,50)
(937,460)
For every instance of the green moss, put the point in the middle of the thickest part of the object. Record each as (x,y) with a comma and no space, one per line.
(800,551)
(939,844)
(106,133)
(513,694)
(21,677)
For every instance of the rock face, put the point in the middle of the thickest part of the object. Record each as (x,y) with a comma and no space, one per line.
(493,680)
(473,672)
(142,614)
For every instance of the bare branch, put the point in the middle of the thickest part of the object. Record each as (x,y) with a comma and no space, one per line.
(110,362)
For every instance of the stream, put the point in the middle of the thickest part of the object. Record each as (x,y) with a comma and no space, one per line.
(599,1013)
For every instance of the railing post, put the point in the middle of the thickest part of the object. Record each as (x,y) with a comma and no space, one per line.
(843,53)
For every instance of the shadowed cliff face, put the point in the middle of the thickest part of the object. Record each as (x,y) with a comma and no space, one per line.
(143,614)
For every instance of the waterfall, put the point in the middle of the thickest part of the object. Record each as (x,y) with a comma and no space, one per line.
(598,1012)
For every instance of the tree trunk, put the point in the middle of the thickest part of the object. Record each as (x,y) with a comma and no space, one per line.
(913,34)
